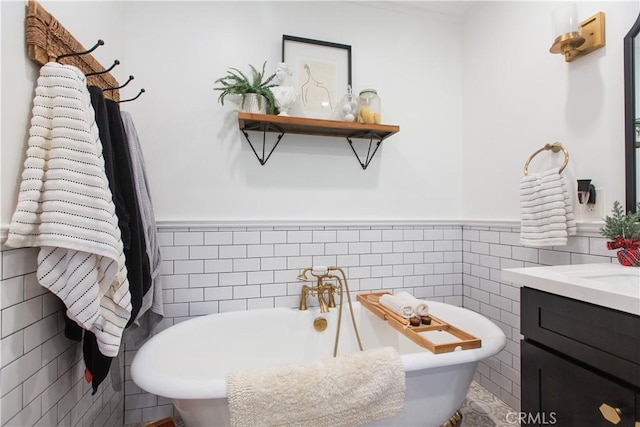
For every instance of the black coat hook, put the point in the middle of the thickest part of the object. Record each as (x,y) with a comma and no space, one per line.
(134,98)
(116,62)
(119,87)
(100,43)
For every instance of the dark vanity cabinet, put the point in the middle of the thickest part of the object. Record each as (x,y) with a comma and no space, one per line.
(580,363)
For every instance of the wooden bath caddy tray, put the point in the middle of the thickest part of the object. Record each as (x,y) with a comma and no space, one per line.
(414,333)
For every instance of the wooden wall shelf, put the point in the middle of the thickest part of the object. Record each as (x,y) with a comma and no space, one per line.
(306,126)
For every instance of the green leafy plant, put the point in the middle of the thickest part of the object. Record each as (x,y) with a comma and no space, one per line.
(637,123)
(237,83)
(620,225)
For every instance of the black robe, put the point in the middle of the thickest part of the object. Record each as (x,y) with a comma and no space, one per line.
(118,169)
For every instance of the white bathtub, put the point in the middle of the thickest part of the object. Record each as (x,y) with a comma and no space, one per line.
(188,361)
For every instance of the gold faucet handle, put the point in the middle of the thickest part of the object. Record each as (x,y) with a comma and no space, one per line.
(331,290)
(610,413)
(303,297)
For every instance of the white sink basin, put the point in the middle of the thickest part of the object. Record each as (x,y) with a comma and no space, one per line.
(621,279)
(608,285)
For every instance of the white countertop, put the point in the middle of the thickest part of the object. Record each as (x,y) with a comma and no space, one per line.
(608,285)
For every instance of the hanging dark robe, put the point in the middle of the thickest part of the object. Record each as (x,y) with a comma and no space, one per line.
(137,261)
(96,364)
(118,170)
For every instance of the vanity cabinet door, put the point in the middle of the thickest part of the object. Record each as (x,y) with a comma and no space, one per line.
(556,391)
(605,339)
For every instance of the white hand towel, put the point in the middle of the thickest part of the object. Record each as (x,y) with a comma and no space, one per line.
(571,218)
(546,211)
(538,216)
(419,306)
(396,305)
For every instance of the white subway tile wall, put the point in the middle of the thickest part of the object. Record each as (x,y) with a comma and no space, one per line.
(487,250)
(215,269)
(42,373)
(256,267)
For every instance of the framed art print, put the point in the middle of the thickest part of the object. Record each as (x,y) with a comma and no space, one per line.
(321,73)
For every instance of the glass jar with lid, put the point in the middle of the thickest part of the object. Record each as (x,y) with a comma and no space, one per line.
(369,106)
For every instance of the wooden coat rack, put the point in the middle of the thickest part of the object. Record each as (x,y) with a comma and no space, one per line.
(47,39)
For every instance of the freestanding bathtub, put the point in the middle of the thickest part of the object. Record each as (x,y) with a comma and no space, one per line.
(188,361)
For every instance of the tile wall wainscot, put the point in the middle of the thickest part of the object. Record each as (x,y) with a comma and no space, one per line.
(210,269)
(488,248)
(215,268)
(42,371)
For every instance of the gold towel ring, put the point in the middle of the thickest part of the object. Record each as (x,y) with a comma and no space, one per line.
(555,147)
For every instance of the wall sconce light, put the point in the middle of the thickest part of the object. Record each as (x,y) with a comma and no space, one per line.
(573,39)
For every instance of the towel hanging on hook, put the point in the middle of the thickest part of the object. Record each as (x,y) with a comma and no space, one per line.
(99,43)
(555,147)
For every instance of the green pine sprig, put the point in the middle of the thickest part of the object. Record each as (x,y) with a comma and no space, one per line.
(619,224)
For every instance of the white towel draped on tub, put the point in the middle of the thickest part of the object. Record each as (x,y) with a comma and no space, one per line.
(547,213)
(347,390)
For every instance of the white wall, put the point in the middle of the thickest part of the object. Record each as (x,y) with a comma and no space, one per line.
(198,163)
(87,21)
(518,96)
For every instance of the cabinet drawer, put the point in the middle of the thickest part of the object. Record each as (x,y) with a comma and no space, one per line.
(603,338)
(568,395)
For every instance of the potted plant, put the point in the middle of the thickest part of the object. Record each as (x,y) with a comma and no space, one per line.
(254,91)
(623,231)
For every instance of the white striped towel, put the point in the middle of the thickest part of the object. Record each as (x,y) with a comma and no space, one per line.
(571,218)
(547,213)
(65,208)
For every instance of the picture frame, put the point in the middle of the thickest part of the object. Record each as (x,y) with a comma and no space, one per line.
(321,73)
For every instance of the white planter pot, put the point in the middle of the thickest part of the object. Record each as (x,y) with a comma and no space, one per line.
(251,105)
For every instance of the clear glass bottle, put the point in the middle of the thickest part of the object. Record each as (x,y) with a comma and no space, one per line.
(347,109)
(369,107)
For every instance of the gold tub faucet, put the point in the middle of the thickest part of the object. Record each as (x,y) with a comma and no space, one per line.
(320,273)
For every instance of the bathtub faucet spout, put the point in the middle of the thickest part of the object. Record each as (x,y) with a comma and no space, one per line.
(324,307)
(319,289)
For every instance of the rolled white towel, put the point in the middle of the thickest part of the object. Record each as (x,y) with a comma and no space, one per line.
(396,305)
(418,306)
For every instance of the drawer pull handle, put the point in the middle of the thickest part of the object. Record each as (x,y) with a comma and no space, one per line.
(610,413)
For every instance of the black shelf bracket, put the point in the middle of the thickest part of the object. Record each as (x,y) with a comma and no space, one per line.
(374,138)
(264,128)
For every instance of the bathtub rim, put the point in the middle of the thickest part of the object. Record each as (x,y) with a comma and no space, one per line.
(493,341)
